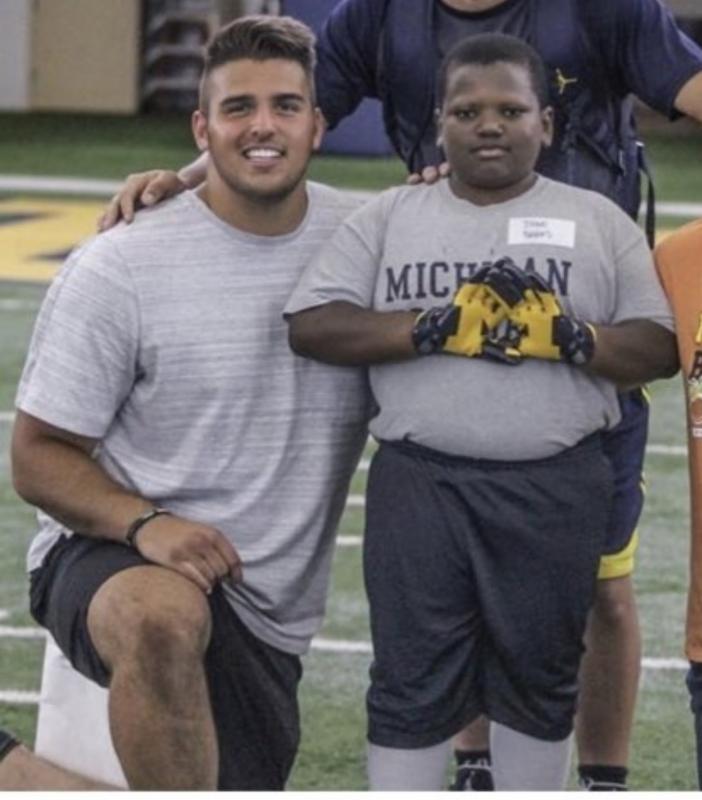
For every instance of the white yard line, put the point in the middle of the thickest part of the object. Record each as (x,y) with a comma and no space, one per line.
(364,464)
(105,188)
(11,632)
(342,646)
(335,646)
(89,186)
(666,449)
(8,304)
(77,186)
(344,541)
(16,697)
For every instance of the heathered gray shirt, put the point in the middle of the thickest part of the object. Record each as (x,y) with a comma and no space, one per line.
(165,340)
(410,249)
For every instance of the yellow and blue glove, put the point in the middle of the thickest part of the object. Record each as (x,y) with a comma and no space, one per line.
(462,327)
(537,327)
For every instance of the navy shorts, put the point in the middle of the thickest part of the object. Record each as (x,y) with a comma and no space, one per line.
(480,575)
(625,446)
(253,686)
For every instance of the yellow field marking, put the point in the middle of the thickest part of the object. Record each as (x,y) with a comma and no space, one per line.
(55,227)
(58,226)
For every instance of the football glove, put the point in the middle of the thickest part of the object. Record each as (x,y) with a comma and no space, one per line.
(476,309)
(538,328)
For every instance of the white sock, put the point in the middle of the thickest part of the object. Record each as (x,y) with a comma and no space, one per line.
(523,763)
(391,769)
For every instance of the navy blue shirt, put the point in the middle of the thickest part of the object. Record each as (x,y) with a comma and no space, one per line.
(597,52)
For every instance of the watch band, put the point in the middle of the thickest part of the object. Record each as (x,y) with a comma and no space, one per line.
(139,522)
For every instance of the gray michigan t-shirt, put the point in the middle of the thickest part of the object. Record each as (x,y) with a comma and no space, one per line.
(411,248)
(165,340)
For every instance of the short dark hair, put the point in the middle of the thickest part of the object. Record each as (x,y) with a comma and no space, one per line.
(489,48)
(260,37)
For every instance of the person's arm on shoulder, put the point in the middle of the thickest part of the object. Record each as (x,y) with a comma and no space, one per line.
(53,469)
(659,63)
(348,58)
(430,174)
(144,189)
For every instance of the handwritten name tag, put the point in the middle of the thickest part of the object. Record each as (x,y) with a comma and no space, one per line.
(541,230)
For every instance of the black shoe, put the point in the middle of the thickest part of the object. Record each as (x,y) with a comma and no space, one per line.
(473,776)
(7,743)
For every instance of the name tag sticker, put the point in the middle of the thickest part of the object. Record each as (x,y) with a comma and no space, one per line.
(541,230)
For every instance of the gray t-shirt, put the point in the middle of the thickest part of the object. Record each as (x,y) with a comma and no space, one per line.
(410,249)
(165,340)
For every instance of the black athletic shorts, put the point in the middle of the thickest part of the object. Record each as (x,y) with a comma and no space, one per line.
(480,575)
(253,686)
(625,446)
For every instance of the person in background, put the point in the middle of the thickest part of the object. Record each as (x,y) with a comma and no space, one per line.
(598,55)
(488,498)
(679,261)
(190,470)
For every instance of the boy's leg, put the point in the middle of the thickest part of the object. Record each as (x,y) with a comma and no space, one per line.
(422,769)
(541,569)
(471,748)
(424,620)
(523,763)
(609,675)
(609,678)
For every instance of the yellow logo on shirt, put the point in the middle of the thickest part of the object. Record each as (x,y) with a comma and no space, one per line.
(562,82)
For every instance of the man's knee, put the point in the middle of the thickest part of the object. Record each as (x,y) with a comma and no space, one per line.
(615,603)
(149,615)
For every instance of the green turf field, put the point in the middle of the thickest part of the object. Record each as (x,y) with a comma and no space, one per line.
(332,752)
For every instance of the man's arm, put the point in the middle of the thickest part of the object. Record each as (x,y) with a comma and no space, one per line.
(53,469)
(633,353)
(348,49)
(669,82)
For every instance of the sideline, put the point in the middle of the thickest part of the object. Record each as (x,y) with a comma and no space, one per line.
(86,187)
(651,449)
(106,188)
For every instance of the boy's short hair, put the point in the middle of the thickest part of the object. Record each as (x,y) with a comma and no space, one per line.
(260,37)
(490,48)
